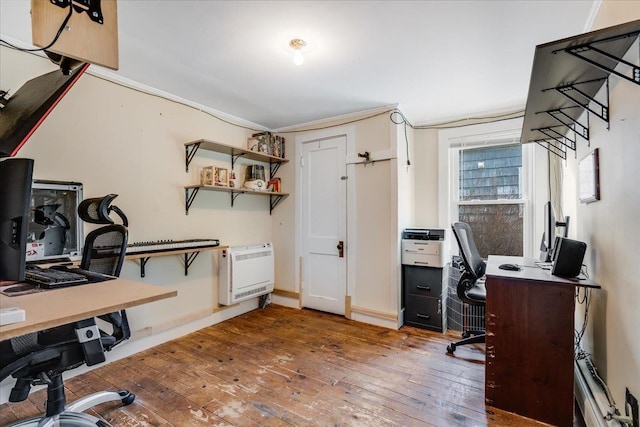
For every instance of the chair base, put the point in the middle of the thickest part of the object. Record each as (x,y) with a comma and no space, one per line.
(73,415)
(470,337)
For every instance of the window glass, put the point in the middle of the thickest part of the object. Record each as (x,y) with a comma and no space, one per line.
(491,198)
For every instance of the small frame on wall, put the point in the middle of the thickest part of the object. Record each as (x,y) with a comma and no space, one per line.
(589,175)
(221,177)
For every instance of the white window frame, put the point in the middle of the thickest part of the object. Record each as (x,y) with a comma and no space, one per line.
(475,136)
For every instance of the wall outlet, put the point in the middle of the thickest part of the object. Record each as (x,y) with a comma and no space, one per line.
(631,408)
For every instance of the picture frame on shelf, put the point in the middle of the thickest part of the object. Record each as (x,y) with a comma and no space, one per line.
(252,144)
(206,175)
(221,177)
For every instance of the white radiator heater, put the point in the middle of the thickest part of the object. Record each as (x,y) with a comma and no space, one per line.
(591,396)
(245,272)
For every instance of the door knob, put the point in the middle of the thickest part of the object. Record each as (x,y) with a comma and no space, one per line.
(340,248)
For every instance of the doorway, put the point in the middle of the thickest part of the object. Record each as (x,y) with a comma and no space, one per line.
(323,212)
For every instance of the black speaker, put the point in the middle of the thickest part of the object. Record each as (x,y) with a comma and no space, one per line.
(567,257)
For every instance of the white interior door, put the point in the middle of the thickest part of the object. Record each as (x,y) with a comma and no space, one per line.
(324,195)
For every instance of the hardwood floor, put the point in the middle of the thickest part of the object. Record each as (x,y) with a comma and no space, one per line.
(287,367)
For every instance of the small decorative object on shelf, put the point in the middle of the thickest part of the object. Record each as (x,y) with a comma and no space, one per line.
(206,175)
(267,143)
(221,177)
(274,185)
(252,143)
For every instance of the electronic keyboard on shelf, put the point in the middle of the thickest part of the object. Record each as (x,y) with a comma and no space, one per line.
(170,245)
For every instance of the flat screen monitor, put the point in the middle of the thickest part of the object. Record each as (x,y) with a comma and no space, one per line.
(27,108)
(549,235)
(15,197)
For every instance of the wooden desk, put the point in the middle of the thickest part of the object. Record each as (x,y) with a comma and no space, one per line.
(61,306)
(530,341)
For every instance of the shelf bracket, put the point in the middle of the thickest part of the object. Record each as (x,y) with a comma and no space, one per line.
(234,158)
(578,128)
(551,133)
(234,195)
(273,169)
(189,153)
(273,202)
(600,56)
(551,147)
(188,260)
(601,110)
(189,196)
(143,263)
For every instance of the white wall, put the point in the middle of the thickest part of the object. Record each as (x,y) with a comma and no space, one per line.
(610,226)
(425,161)
(114,139)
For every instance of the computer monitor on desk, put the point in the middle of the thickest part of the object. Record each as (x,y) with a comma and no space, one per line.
(15,196)
(549,236)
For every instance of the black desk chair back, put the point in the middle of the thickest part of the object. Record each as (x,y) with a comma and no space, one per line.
(470,287)
(41,358)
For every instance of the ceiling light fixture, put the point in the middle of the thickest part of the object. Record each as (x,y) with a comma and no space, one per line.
(297,45)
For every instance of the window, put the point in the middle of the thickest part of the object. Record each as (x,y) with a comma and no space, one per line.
(490,187)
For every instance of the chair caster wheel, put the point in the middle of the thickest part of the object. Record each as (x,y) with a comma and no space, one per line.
(466,335)
(451,348)
(128,398)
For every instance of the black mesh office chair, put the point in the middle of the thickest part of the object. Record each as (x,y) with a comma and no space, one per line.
(470,287)
(41,358)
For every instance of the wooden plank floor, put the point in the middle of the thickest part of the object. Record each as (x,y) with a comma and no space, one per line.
(287,367)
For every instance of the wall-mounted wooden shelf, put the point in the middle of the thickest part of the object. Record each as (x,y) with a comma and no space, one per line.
(191,148)
(190,255)
(190,192)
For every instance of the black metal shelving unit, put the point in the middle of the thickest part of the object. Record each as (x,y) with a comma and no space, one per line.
(570,77)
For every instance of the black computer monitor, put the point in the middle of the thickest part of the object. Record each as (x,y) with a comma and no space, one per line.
(15,198)
(549,235)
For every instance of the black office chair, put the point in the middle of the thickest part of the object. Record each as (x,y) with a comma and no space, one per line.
(470,287)
(41,358)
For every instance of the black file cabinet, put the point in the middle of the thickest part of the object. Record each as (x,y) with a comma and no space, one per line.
(422,276)
(422,291)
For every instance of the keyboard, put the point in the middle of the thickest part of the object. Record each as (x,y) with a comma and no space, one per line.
(91,276)
(170,245)
(52,278)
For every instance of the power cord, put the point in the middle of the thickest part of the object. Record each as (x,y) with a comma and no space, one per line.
(403,121)
(55,39)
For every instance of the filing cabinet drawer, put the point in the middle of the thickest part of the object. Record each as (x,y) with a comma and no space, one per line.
(422,246)
(422,281)
(423,312)
(424,253)
(421,259)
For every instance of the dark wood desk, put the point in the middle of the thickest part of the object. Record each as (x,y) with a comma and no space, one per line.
(61,306)
(530,340)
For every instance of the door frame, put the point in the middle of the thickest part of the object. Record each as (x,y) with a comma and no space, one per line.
(350,246)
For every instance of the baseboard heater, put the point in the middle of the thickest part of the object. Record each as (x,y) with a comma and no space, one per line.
(591,396)
(245,272)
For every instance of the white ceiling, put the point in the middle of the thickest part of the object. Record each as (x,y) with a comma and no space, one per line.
(436,59)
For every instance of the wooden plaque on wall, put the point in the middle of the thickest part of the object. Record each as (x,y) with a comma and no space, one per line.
(83,38)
